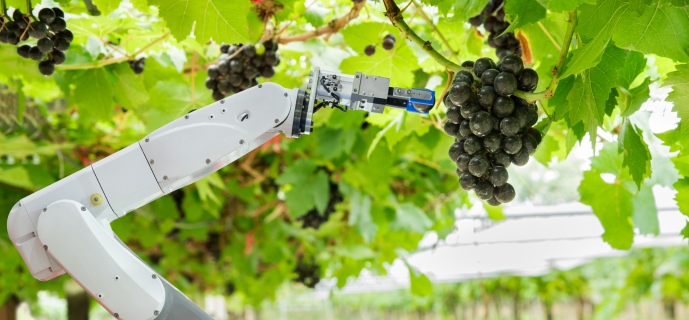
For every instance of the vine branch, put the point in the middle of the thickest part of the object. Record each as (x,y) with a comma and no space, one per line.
(332,26)
(548,92)
(440,35)
(105,62)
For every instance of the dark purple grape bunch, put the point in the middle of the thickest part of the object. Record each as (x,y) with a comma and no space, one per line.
(493,20)
(239,66)
(307,272)
(492,128)
(388,43)
(49,30)
(137,65)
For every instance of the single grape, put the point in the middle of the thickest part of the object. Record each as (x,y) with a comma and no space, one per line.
(472,145)
(464,128)
(58,56)
(483,64)
(217,95)
(59,24)
(488,76)
(463,162)
(67,34)
(500,15)
(46,67)
(450,128)
(461,93)
(492,142)
(529,143)
(388,43)
(521,114)
(211,83)
(476,20)
(484,190)
(492,201)
(236,66)
(513,64)
(271,45)
(469,110)
(12,39)
(58,12)
(496,124)
(527,80)
(249,50)
(468,64)
(223,67)
(257,61)
(498,176)
(224,48)
(512,144)
(486,96)
(267,71)
(225,87)
(501,158)
(234,79)
(467,181)
(213,71)
(38,30)
(453,114)
(448,103)
(19,19)
(46,15)
(488,23)
(45,45)
(535,134)
(509,126)
(271,58)
(505,84)
(532,115)
(390,36)
(464,76)
(251,72)
(500,26)
(370,50)
(503,107)
(478,166)
(23,51)
(505,193)
(481,124)
(455,150)
(35,54)
(61,44)
(260,49)
(520,158)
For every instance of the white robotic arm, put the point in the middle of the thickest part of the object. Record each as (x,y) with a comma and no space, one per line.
(65,227)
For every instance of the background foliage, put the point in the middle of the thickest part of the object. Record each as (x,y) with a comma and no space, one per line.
(380,182)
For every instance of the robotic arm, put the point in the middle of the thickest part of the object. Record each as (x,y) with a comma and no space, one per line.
(65,227)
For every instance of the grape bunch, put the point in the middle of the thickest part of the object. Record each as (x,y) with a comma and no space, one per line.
(49,30)
(492,127)
(388,43)
(137,65)
(239,66)
(308,272)
(493,19)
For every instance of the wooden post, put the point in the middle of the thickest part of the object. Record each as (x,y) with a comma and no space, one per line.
(8,311)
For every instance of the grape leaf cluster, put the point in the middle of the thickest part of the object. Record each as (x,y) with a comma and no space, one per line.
(492,127)
(493,20)
(388,43)
(239,66)
(49,30)
(308,272)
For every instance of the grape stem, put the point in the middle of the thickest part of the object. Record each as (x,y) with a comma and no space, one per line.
(548,92)
(29,10)
(333,26)
(105,62)
(4,9)
(428,20)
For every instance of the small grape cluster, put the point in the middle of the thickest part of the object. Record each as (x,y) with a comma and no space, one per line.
(492,127)
(308,272)
(388,43)
(137,65)
(50,31)
(239,66)
(493,19)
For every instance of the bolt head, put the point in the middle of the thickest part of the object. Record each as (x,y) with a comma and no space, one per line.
(83,208)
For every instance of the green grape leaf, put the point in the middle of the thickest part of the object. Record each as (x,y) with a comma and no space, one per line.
(685,231)
(630,101)
(107,6)
(128,88)
(567,5)
(637,157)
(682,196)
(465,9)
(634,64)
(558,103)
(420,285)
(356,252)
(523,13)
(93,94)
(679,80)
(309,188)
(397,64)
(16,176)
(661,30)
(333,143)
(645,214)
(314,18)
(613,205)
(410,217)
(597,23)
(360,215)
(222,21)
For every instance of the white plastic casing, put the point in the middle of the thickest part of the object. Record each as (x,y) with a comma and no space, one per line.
(110,273)
(197,144)
(22,221)
(127,180)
